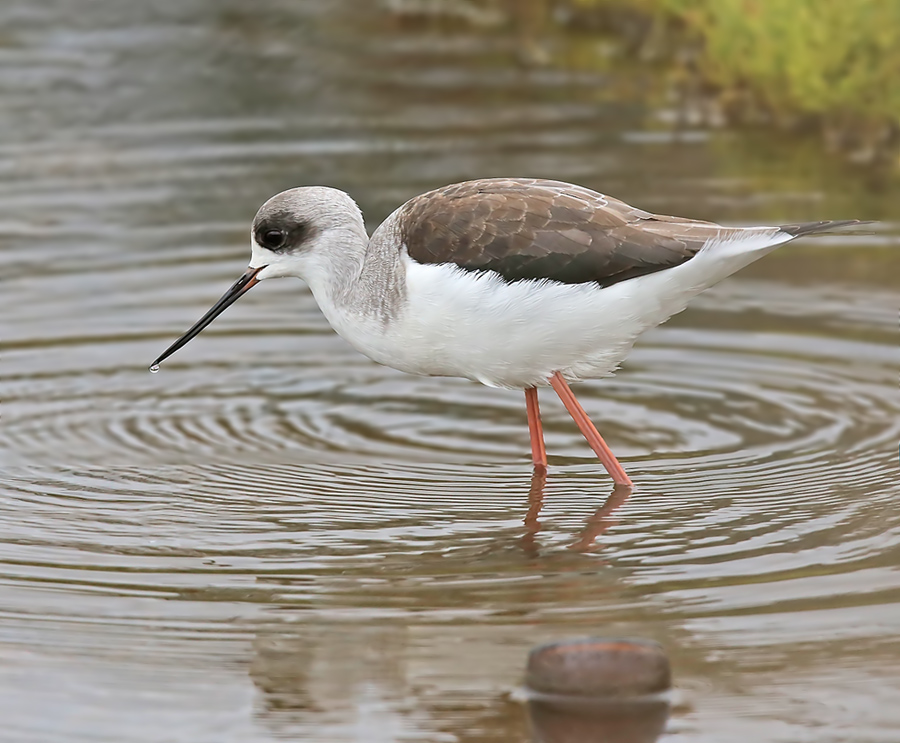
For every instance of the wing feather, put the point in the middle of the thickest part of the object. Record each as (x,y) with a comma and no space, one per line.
(540,229)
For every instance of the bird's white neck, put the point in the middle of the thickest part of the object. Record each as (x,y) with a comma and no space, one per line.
(357,279)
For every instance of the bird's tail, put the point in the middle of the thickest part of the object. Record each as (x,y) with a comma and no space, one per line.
(811,228)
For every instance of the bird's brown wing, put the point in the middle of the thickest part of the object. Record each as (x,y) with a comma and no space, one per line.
(540,229)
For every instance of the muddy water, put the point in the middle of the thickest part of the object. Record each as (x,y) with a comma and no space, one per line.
(274,538)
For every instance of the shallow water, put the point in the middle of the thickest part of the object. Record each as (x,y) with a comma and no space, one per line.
(275,538)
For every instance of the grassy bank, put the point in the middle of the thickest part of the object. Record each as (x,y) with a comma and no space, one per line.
(829,64)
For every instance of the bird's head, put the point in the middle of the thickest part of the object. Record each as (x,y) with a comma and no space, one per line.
(297,230)
(295,233)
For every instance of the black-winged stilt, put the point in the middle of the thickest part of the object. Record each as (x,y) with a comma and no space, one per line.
(511,282)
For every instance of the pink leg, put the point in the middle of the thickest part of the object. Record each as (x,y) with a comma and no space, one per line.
(538,452)
(588,430)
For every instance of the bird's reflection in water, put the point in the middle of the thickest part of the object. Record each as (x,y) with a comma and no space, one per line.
(597,523)
(625,721)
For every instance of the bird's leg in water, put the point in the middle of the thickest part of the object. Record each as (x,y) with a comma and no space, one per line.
(538,451)
(594,439)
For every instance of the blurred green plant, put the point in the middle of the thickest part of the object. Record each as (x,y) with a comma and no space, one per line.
(824,55)
(836,59)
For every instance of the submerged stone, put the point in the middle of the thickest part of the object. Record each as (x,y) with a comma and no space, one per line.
(599,667)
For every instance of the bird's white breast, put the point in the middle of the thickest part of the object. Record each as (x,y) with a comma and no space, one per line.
(453,322)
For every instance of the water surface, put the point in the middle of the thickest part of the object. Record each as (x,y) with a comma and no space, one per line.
(275,538)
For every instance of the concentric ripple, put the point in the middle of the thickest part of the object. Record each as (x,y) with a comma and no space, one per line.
(696,396)
(274,538)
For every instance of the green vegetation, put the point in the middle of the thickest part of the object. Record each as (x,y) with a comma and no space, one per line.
(821,55)
(835,62)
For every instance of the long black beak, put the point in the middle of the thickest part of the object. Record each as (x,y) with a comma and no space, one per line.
(241,286)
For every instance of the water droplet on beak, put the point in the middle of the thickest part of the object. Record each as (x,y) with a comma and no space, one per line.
(154,368)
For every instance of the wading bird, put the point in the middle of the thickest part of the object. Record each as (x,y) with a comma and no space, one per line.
(512,282)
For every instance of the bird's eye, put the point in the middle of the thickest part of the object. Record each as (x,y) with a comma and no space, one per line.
(272,239)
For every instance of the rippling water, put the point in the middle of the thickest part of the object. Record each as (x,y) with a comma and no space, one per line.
(275,538)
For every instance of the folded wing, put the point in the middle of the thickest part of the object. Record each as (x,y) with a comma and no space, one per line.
(541,229)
